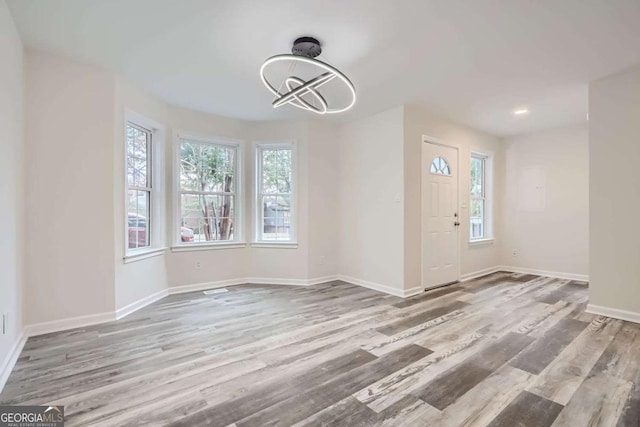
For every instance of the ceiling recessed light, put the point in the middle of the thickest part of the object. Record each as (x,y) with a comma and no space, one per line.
(521,112)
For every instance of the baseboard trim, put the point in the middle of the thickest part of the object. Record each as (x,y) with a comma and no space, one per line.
(290,282)
(412,291)
(480,273)
(323,279)
(555,274)
(615,313)
(402,293)
(11,359)
(141,303)
(66,324)
(249,280)
(183,289)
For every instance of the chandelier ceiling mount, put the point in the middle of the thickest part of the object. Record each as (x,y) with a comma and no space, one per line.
(316,86)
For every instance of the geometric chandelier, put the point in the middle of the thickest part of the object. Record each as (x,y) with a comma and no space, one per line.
(304,82)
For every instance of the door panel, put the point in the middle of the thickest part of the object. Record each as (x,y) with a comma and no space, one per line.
(439,209)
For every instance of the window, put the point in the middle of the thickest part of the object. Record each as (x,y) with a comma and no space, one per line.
(208,190)
(139,186)
(479,210)
(275,185)
(440,166)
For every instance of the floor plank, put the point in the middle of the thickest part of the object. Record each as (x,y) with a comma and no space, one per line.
(528,410)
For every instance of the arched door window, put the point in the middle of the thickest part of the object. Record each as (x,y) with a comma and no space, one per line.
(440,166)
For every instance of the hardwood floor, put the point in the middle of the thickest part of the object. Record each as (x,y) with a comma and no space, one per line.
(502,350)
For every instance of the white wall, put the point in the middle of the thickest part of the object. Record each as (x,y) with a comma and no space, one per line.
(419,122)
(69,232)
(11,155)
(323,196)
(282,263)
(546,219)
(135,280)
(614,192)
(371,193)
(216,264)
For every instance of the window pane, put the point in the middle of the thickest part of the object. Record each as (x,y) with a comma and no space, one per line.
(137,157)
(277,217)
(477,176)
(206,218)
(276,170)
(477,218)
(138,219)
(207,167)
(440,166)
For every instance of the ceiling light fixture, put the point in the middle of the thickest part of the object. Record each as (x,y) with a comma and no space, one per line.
(316,84)
(521,112)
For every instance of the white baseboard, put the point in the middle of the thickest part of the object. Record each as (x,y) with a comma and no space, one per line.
(412,291)
(403,293)
(555,274)
(476,274)
(70,323)
(616,313)
(11,359)
(323,279)
(182,289)
(143,302)
(247,280)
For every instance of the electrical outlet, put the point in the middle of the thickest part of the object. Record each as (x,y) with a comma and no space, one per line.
(198,265)
(514,253)
(5,323)
(321,260)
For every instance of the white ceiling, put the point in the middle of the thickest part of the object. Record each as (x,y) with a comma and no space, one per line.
(472,60)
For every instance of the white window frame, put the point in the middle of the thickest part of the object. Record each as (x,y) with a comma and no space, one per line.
(238,242)
(156,190)
(258,220)
(487,189)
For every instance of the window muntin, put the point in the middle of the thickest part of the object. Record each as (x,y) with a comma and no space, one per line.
(275,183)
(208,192)
(478,203)
(139,186)
(440,166)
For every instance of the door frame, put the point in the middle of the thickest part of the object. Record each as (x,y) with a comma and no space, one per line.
(436,141)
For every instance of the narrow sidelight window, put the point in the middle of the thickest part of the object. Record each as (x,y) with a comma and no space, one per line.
(479,209)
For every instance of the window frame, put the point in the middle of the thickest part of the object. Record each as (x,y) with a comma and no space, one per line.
(258,210)
(238,242)
(155,186)
(486,197)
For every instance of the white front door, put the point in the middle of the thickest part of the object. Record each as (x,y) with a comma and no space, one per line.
(440,219)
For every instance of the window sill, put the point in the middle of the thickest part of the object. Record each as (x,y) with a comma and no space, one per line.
(481,242)
(207,246)
(275,245)
(143,254)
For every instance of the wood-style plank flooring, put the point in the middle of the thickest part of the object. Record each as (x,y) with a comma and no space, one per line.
(502,350)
